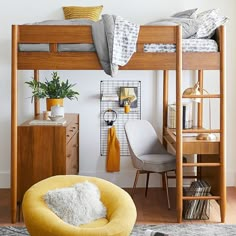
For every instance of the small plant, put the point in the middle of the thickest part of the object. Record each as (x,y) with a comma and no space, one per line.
(53,88)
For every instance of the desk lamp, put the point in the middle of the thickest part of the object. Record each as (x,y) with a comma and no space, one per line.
(195,90)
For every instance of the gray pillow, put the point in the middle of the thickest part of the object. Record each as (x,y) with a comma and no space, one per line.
(191,13)
(64,22)
(76,205)
(189,26)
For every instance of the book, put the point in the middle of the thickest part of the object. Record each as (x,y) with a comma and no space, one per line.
(48,122)
(187,115)
(197,209)
(110,97)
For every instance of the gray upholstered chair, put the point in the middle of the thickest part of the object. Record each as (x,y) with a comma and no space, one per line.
(147,153)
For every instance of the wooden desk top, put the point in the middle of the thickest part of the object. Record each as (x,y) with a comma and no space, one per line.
(191,145)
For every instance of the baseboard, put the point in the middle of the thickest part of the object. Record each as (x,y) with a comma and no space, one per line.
(5,179)
(231,178)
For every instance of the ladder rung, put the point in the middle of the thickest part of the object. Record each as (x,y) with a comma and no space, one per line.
(200,164)
(201,131)
(202,96)
(201,197)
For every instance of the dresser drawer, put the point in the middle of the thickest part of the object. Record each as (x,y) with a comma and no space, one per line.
(72,161)
(72,129)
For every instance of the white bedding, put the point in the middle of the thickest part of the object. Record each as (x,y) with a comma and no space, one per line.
(188,45)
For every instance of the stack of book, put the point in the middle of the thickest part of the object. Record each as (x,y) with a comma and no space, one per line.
(197,209)
(187,115)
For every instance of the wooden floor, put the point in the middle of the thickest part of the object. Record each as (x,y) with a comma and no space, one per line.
(151,210)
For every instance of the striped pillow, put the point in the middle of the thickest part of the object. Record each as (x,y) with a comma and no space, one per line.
(208,22)
(75,12)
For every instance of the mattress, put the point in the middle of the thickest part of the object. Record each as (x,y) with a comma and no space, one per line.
(63,47)
(188,45)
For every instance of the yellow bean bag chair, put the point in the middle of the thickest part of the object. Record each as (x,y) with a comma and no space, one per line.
(41,221)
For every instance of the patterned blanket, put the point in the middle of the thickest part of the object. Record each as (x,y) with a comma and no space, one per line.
(115,41)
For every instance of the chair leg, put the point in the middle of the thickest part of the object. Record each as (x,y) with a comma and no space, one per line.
(135,183)
(163,181)
(147,181)
(167,189)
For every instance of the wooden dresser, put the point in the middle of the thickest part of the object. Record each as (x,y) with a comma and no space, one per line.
(46,150)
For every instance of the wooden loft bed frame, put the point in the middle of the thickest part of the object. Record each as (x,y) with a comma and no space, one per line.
(178,61)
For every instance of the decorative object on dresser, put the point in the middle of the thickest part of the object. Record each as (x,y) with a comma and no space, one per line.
(54,90)
(46,150)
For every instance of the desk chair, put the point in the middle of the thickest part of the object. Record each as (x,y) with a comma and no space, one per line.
(147,153)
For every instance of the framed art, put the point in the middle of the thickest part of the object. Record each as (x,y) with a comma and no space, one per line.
(129,95)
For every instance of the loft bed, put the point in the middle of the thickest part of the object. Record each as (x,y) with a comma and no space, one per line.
(178,61)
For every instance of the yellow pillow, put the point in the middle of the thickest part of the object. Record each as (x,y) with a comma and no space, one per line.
(75,12)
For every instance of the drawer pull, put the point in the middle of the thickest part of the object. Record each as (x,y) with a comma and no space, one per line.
(76,145)
(74,167)
(71,130)
(67,135)
(68,156)
(74,127)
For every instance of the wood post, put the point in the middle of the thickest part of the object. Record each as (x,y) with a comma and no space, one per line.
(36,100)
(14,124)
(165,104)
(222,126)
(179,151)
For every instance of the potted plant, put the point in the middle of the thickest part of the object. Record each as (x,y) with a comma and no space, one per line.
(53,90)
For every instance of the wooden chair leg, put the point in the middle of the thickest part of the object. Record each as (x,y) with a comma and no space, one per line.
(135,183)
(163,181)
(147,181)
(167,189)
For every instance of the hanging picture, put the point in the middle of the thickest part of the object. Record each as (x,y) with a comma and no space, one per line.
(129,95)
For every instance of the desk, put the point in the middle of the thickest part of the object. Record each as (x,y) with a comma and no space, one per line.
(209,164)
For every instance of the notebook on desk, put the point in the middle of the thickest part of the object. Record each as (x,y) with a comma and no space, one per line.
(188,134)
(47,122)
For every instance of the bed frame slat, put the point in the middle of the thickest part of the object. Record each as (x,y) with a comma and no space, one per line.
(140,61)
(83,34)
(55,34)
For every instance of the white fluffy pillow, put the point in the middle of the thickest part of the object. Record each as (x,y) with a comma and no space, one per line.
(76,205)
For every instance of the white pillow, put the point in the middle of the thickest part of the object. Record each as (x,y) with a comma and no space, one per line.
(76,205)
(189,26)
(208,22)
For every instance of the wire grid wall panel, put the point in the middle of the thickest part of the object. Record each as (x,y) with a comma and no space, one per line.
(112,87)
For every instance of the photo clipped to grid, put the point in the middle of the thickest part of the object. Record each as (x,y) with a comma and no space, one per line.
(114,95)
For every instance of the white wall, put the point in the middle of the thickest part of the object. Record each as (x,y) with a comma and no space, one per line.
(88,82)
